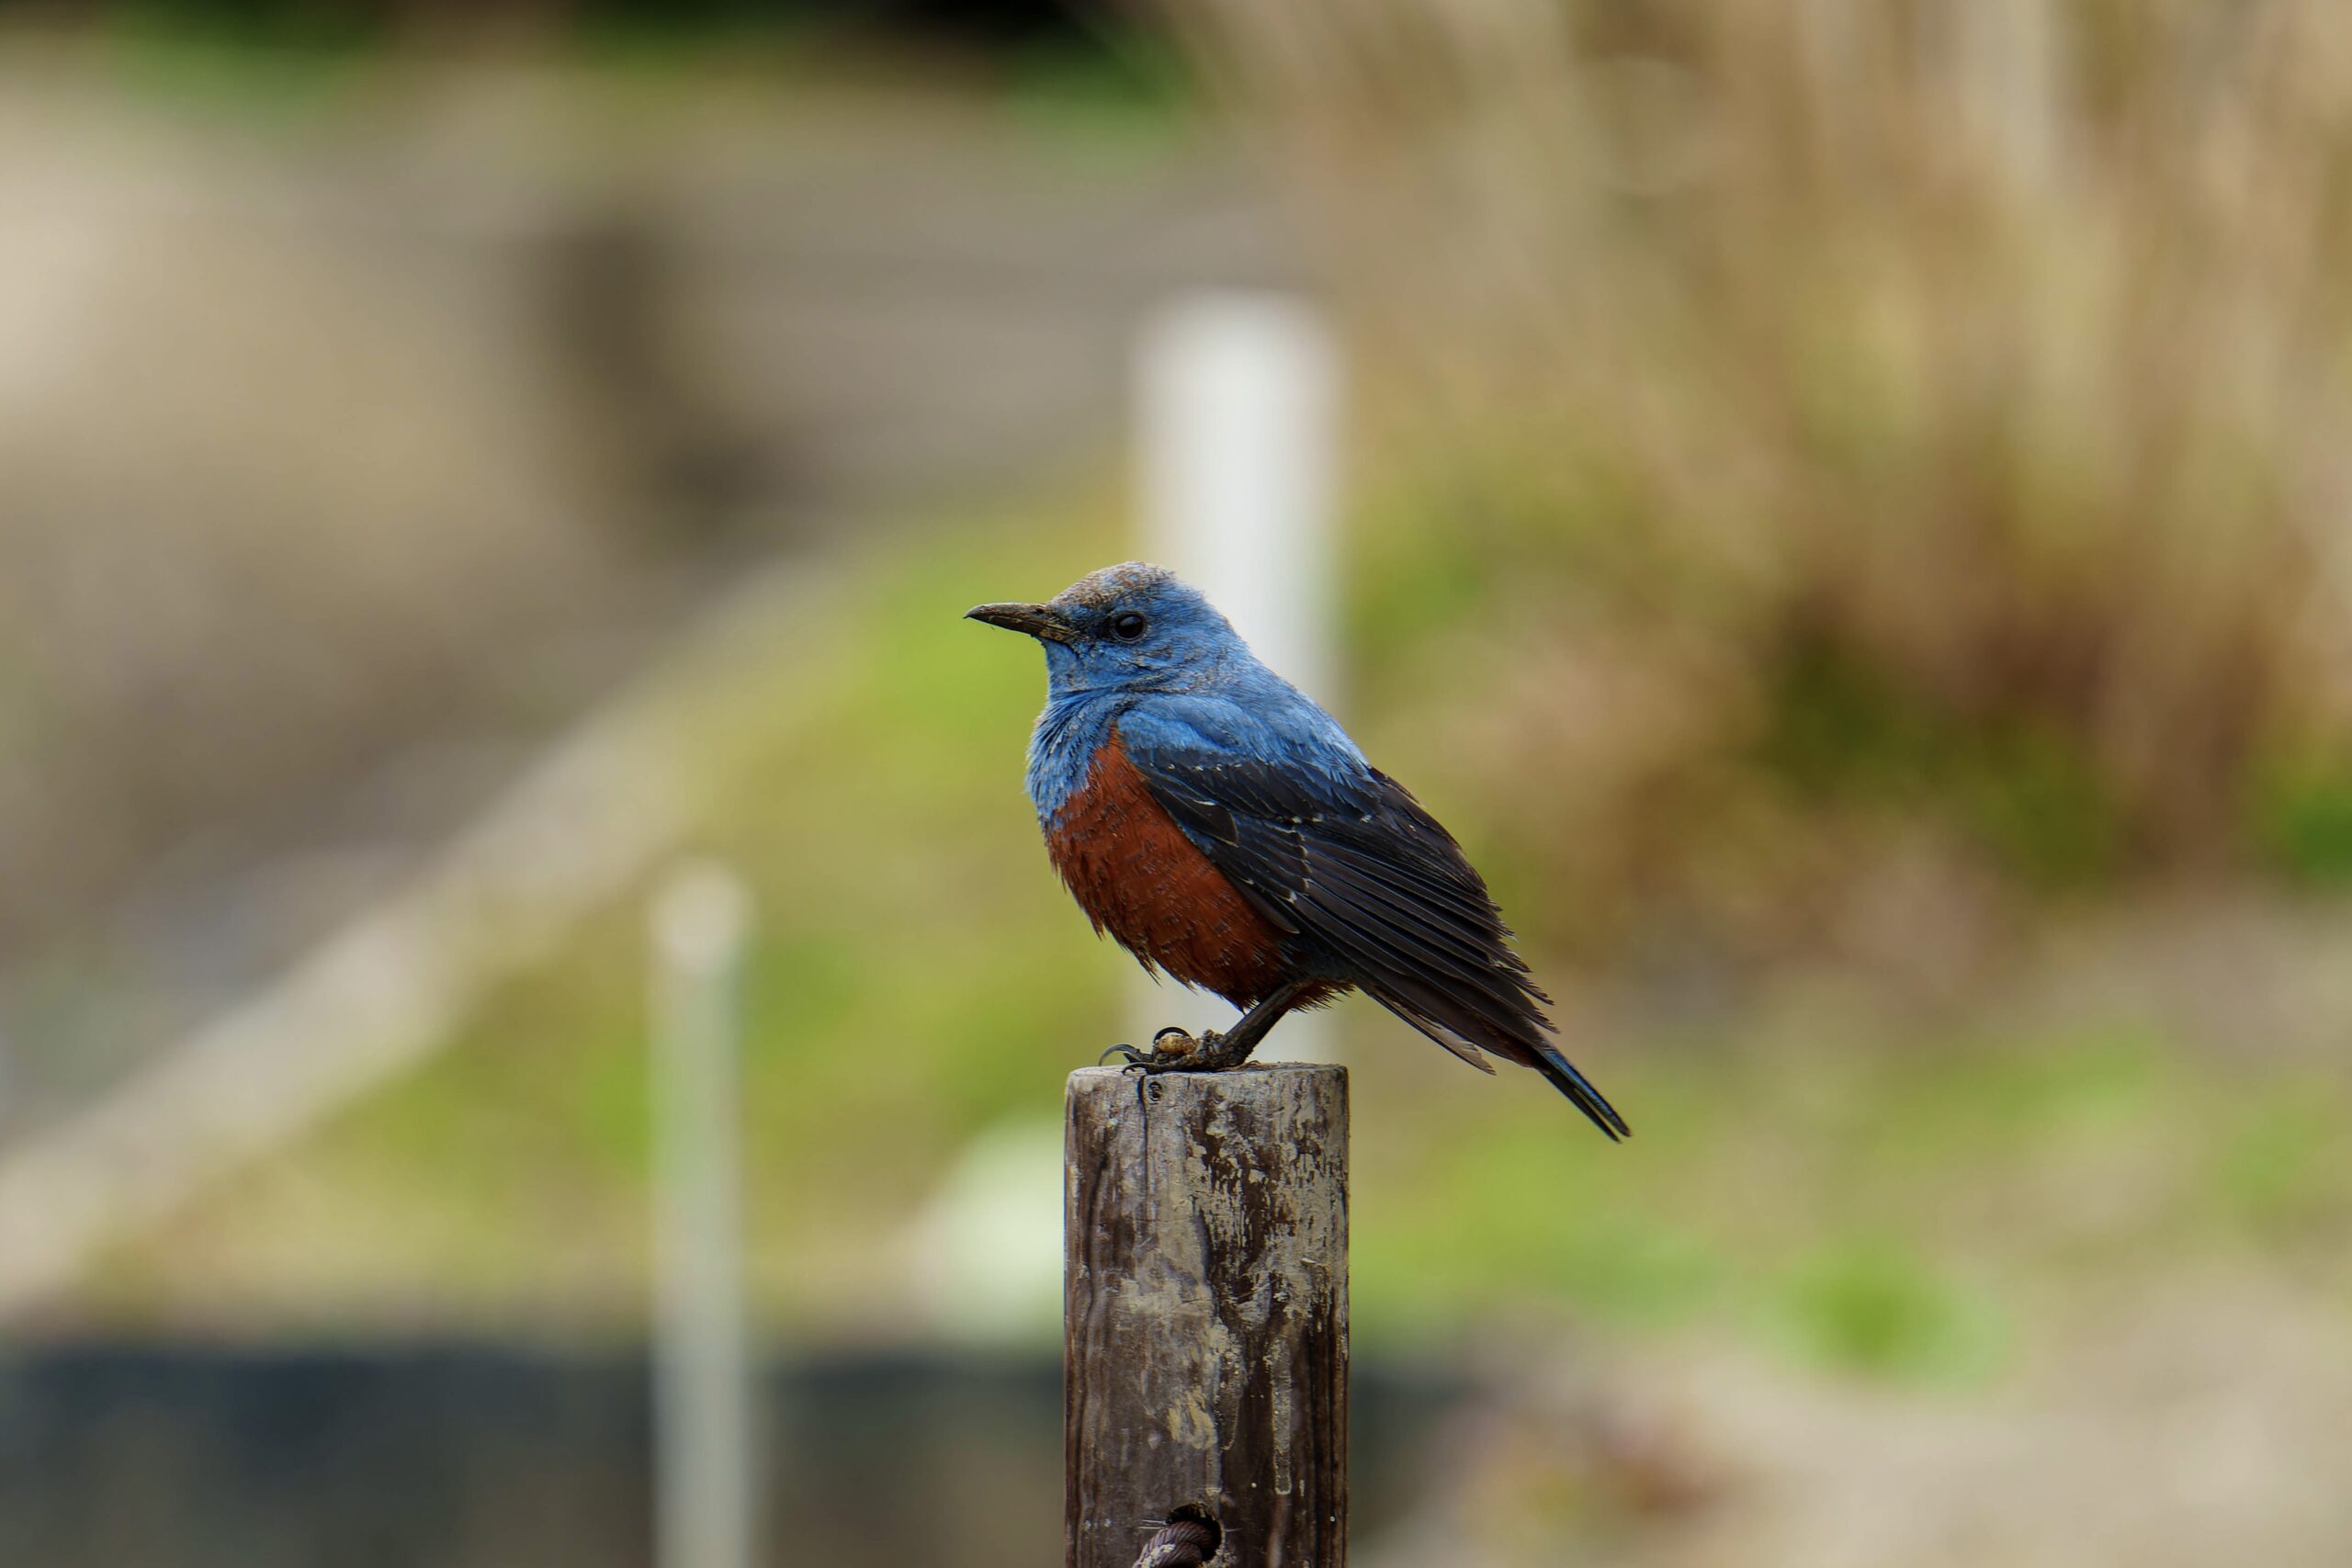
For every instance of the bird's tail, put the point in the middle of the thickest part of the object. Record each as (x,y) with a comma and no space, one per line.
(1562,1075)
(1523,1043)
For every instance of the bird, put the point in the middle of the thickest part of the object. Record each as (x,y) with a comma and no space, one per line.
(1222,828)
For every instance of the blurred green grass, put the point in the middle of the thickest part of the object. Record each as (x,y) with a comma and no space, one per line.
(1903,1202)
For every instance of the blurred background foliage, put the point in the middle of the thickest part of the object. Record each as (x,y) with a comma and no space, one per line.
(1847,518)
(1924,418)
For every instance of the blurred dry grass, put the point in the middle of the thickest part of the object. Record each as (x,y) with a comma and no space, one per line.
(1823,409)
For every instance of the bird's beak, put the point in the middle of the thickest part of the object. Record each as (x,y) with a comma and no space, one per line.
(1035,619)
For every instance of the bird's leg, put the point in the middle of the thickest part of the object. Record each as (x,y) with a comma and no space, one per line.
(1173,1051)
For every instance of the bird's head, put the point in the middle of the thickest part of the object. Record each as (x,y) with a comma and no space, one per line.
(1132,627)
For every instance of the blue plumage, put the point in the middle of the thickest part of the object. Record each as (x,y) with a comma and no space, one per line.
(1353,883)
(1190,669)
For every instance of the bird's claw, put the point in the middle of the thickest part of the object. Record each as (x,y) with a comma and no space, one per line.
(1175,1051)
(1174,1047)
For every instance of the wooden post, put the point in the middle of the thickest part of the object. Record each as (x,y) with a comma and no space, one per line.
(1206,1312)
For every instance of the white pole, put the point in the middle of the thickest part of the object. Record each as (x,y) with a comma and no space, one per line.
(1238,408)
(701,1373)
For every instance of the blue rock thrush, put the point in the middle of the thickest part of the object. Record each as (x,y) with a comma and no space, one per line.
(1225,830)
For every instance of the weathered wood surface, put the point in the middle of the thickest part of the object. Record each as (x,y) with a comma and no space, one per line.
(1206,1312)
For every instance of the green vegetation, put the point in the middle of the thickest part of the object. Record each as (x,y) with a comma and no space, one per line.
(1901,1208)
(1876,1306)
(2302,818)
(273,64)
(1103,87)
(1116,93)
(2024,791)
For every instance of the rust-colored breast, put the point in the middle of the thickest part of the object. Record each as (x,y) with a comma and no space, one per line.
(1137,877)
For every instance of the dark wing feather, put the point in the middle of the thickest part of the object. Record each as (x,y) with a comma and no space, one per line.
(1372,884)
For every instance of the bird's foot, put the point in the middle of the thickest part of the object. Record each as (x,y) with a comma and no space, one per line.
(1174,1050)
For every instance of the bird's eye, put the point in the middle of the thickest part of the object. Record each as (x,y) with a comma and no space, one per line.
(1127,625)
